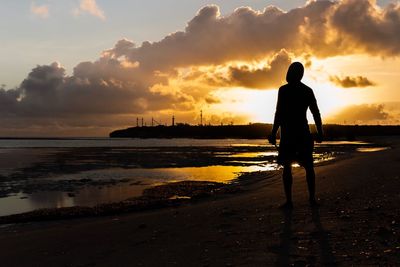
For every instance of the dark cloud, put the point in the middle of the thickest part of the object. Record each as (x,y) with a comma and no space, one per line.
(348,81)
(364,113)
(212,100)
(267,76)
(361,24)
(99,95)
(95,88)
(271,76)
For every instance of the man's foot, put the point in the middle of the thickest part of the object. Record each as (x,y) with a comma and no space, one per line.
(288,205)
(313,203)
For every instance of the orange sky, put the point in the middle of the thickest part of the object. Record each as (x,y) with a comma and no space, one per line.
(230,66)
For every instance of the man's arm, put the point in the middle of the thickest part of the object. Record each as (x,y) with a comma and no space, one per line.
(277,119)
(317,117)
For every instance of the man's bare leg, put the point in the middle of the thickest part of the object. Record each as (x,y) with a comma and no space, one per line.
(287,184)
(310,175)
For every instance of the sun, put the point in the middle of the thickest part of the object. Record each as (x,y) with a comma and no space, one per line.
(255,105)
(259,105)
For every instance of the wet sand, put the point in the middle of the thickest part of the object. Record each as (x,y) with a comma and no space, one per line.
(358,223)
(53,177)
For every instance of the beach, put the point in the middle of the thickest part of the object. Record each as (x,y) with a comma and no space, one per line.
(357,224)
(67,173)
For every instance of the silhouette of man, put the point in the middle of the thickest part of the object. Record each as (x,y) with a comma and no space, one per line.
(296,142)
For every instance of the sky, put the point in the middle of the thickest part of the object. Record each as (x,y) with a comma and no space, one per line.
(86,67)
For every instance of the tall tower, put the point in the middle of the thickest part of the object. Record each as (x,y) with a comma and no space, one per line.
(201,117)
(142,122)
(173,120)
(137,122)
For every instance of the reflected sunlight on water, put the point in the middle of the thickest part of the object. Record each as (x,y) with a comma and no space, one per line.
(371,149)
(141,179)
(76,176)
(253,154)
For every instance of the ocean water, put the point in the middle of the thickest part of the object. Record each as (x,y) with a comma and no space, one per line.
(53,173)
(125,142)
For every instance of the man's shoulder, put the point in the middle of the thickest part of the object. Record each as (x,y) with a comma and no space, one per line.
(301,85)
(306,87)
(284,87)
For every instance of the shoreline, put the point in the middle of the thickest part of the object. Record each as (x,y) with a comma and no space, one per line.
(357,224)
(173,194)
(51,177)
(170,194)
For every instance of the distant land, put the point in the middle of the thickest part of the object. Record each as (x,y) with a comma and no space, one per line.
(250,131)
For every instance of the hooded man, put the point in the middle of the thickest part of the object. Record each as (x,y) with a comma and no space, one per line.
(296,142)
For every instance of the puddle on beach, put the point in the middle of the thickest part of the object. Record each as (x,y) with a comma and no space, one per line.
(251,154)
(372,149)
(87,196)
(140,179)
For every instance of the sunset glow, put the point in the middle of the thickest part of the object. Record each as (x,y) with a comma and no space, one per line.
(199,133)
(226,60)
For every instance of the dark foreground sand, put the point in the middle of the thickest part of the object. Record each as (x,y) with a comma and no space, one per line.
(357,224)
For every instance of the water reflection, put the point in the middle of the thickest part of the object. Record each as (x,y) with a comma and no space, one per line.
(217,163)
(90,196)
(219,173)
(371,149)
(254,154)
(141,179)
(23,202)
(126,142)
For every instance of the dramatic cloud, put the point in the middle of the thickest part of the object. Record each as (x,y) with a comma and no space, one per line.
(210,38)
(360,24)
(268,74)
(321,28)
(271,76)
(103,87)
(41,11)
(365,113)
(348,82)
(90,7)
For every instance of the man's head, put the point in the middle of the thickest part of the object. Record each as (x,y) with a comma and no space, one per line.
(295,72)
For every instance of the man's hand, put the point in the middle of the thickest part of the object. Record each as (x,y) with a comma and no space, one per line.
(272,139)
(319,138)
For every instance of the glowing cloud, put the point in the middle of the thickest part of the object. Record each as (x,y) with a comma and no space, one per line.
(365,113)
(349,82)
(90,7)
(321,28)
(268,74)
(41,11)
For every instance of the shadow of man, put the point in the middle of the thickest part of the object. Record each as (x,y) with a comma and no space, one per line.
(285,239)
(322,237)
